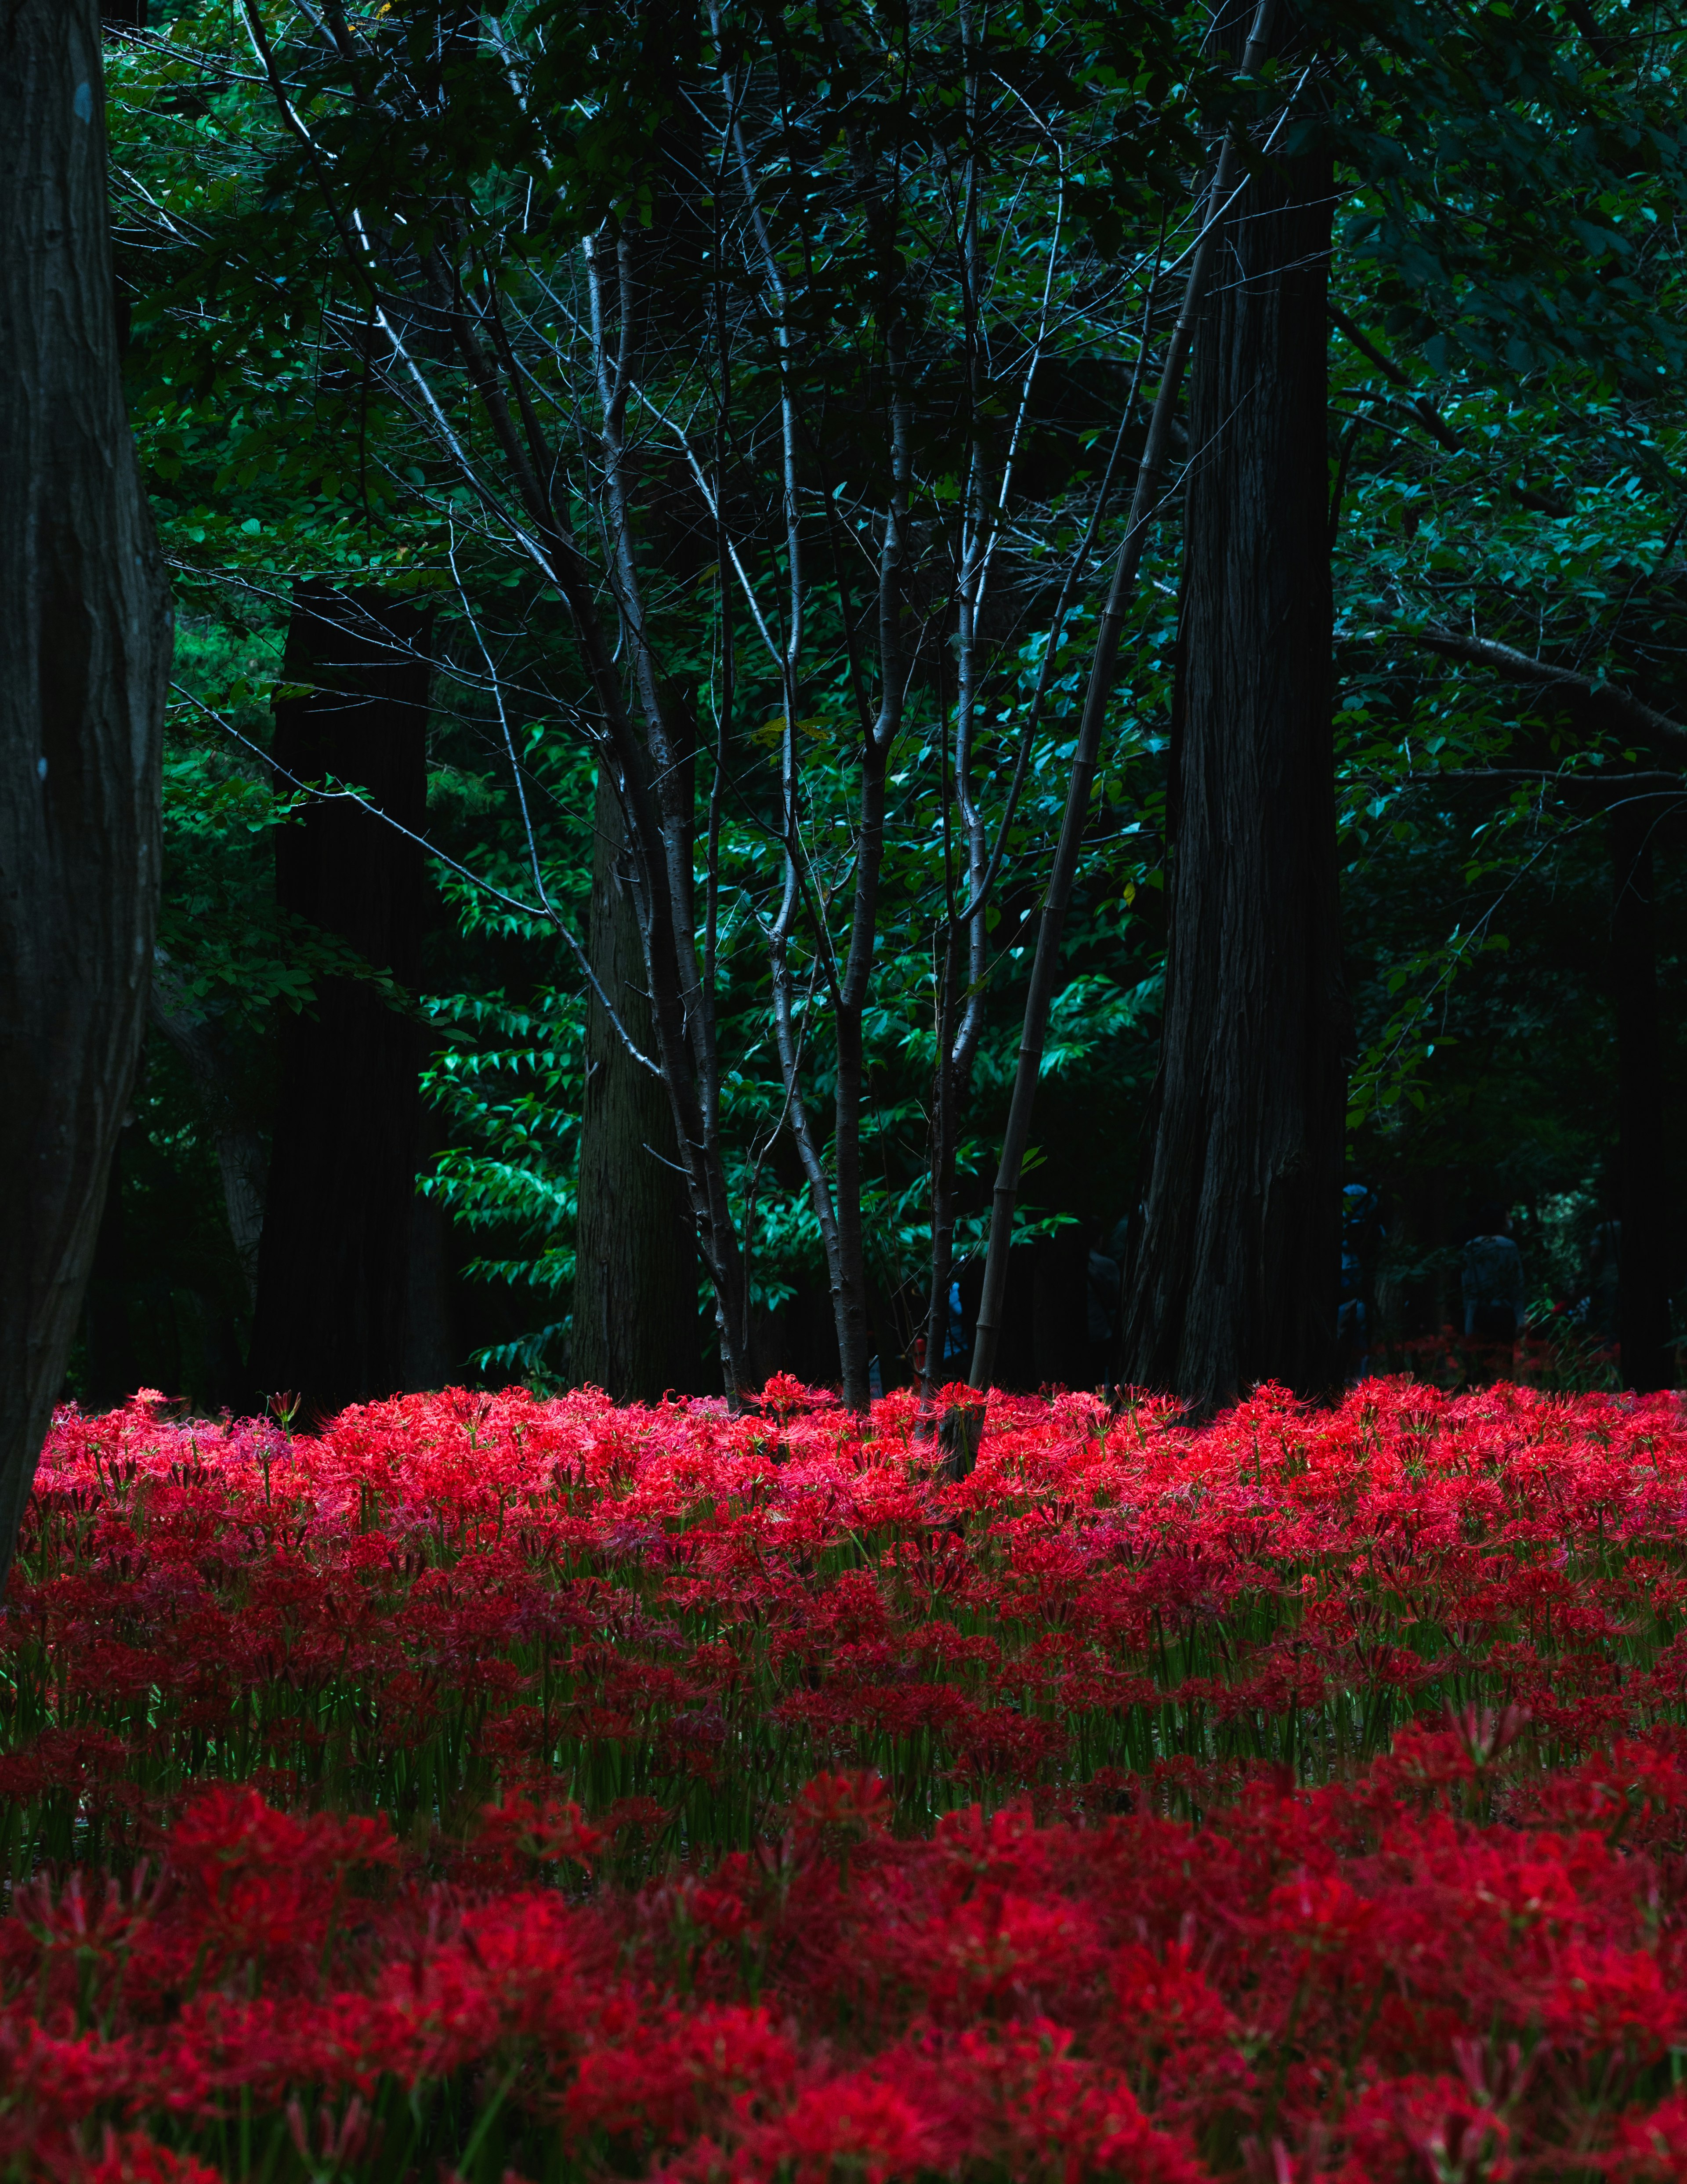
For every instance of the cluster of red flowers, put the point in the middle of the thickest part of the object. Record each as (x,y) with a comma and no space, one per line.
(487,1787)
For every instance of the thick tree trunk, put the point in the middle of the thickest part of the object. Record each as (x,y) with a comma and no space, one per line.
(635,1332)
(1234,1265)
(333,1275)
(1643,1297)
(85,643)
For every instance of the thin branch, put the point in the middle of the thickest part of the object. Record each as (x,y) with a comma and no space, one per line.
(343,796)
(1419,406)
(1618,709)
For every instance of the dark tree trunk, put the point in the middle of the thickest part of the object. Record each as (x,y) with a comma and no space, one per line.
(635,1330)
(1234,1262)
(1643,1297)
(85,644)
(333,1274)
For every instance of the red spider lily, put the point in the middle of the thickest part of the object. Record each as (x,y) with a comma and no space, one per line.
(1652,2146)
(857,1802)
(689,2074)
(862,2126)
(522,1782)
(521,1832)
(132,2157)
(1423,2125)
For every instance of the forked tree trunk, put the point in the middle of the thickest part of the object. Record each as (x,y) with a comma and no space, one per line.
(333,1268)
(1643,1297)
(635,1331)
(1046,958)
(1235,1263)
(85,643)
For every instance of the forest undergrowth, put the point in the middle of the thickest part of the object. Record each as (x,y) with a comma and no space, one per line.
(499,1789)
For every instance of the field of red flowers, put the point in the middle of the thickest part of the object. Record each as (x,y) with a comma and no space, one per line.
(499,1789)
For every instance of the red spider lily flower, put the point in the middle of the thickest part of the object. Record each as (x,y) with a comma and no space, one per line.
(544,1833)
(132,2157)
(1335,1808)
(860,2125)
(683,2074)
(1421,2125)
(1485,1733)
(857,1802)
(1652,2148)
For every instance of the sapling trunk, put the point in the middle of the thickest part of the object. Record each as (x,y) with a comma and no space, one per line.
(851,1294)
(959,1000)
(243,1158)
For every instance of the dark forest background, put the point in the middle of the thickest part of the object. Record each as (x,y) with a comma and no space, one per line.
(366,1103)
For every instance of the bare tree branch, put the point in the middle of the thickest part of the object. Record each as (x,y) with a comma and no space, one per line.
(1619,711)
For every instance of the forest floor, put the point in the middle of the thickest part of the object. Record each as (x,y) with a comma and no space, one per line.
(499,1789)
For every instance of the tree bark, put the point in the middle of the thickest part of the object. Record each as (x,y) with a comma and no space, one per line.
(1233,1268)
(1643,1295)
(634,1330)
(1045,963)
(333,1273)
(85,648)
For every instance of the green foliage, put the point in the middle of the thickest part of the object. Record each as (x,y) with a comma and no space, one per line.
(1506,247)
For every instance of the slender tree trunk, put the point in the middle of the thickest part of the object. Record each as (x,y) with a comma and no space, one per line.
(944,1127)
(634,1330)
(85,644)
(1233,1270)
(333,1275)
(961,1015)
(656,791)
(112,1374)
(1643,1300)
(849,1283)
(241,1158)
(880,211)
